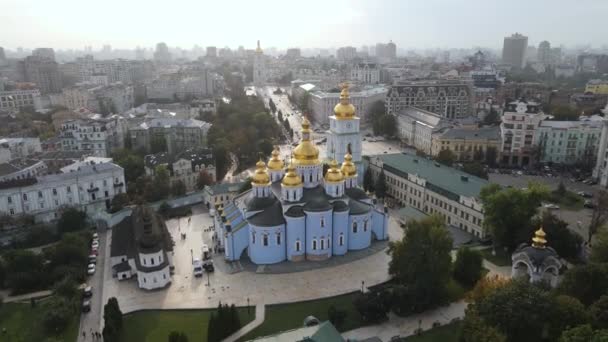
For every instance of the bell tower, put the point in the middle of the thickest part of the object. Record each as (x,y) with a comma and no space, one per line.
(259,67)
(344,136)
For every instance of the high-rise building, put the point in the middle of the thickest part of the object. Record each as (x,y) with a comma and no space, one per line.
(259,67)
(48,53)
(544,52)
(211,51)
(162,55)
(44,72)
(346,53)
(514,50)
(386,52)
(293,53)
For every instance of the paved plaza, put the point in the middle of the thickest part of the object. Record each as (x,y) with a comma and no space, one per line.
(187,291)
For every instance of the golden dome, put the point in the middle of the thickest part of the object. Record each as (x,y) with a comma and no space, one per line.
(291,177)
(306,153)
(259,49)
(348,167)
(333,174)
(260,176)
(275,163)
(344,109)
(539,240)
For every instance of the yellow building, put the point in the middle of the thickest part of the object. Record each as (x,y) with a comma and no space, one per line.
(468,144)
(599,87)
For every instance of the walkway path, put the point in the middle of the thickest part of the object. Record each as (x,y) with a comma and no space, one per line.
(27,296)
(406,326)
(260,315)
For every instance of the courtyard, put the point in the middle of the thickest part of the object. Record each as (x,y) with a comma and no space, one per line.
(237,285)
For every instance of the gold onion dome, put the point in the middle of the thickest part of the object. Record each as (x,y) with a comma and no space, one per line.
(344,109)
(539,240)
(275,163)
(306,153)
(291,178)
(333,174)
(260,176)
(348,167)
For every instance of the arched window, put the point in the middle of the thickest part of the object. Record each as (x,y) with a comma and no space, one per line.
(279,239)
(341,239)
(322,222)
(298,246)
(151,261)
(322,243)
(253,237)
(314,245)
(265,239)
(365,225)
(354,226)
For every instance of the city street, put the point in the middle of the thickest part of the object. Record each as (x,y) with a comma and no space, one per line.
(93,320)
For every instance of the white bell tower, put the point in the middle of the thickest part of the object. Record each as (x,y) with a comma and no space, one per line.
(259,67)
(344,136)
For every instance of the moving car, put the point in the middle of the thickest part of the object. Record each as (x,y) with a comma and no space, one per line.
(86,306)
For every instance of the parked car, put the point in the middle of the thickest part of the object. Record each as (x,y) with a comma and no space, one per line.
(95,244)
(91,269)
(92,259)
(86,306)
(585,194)
(551,206)
(589,204)
(87,292)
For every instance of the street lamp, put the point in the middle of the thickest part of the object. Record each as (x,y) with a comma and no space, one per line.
(362,286)
(247,305)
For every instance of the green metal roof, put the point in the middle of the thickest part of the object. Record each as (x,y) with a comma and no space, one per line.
(438,177)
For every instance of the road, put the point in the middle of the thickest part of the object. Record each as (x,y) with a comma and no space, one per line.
(92,321)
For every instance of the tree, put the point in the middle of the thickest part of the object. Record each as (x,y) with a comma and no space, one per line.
(132,164)
(564,113)
(566,312)
(468,266)
(476,169)
(119,202)
(474,329)
(176,336)
(159,187)
(599,252)
(204,178)
(178,188)
(71,220)
(25,271)
(561,189)
(380,185)
(57,316)
(566,243)
(509,212)
(336,316)
(492,117)
(446,157)
(372,306)
(584,333)
(112,317)
(368,181)
(518,310)
(66,288)
(600,213)
(599,312)
(421,261)
(586,283)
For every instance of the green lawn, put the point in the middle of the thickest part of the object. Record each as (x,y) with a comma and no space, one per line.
(155,325)
(446,333)
(290,316)
(24,323)
(500,259)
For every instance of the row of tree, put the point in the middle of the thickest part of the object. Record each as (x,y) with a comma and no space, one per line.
(382,123)
(223,322)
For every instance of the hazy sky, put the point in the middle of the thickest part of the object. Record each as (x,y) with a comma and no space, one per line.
(308,23)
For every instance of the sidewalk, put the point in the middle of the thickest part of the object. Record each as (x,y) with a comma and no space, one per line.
(406,326)
(260,315)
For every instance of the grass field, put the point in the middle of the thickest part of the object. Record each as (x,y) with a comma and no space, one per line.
(500,259)
(446,333)
(24,323)
(290,316)
(155,325)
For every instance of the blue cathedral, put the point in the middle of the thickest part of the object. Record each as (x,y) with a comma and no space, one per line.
(297,213)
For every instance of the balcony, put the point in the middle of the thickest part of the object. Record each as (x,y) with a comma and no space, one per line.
(118,184)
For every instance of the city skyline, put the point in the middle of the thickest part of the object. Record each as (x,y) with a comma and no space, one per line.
(64,25)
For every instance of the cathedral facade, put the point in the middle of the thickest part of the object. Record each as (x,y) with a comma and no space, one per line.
(297,213)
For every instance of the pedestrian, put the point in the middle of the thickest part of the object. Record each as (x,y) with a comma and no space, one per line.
(84,334)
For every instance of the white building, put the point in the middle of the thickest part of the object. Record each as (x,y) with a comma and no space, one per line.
(13,100)
(520,121)
(91,188)
(84,135)
(600,172)
(568,142)
(367,73)
(142,247)
(321,103)
(177,134)
(19,169)
(20,147)
(433,188)
(114,98)
(84,162)
(416,127)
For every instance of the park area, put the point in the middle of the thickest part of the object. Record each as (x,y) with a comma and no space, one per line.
(156,325)
(24,323)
